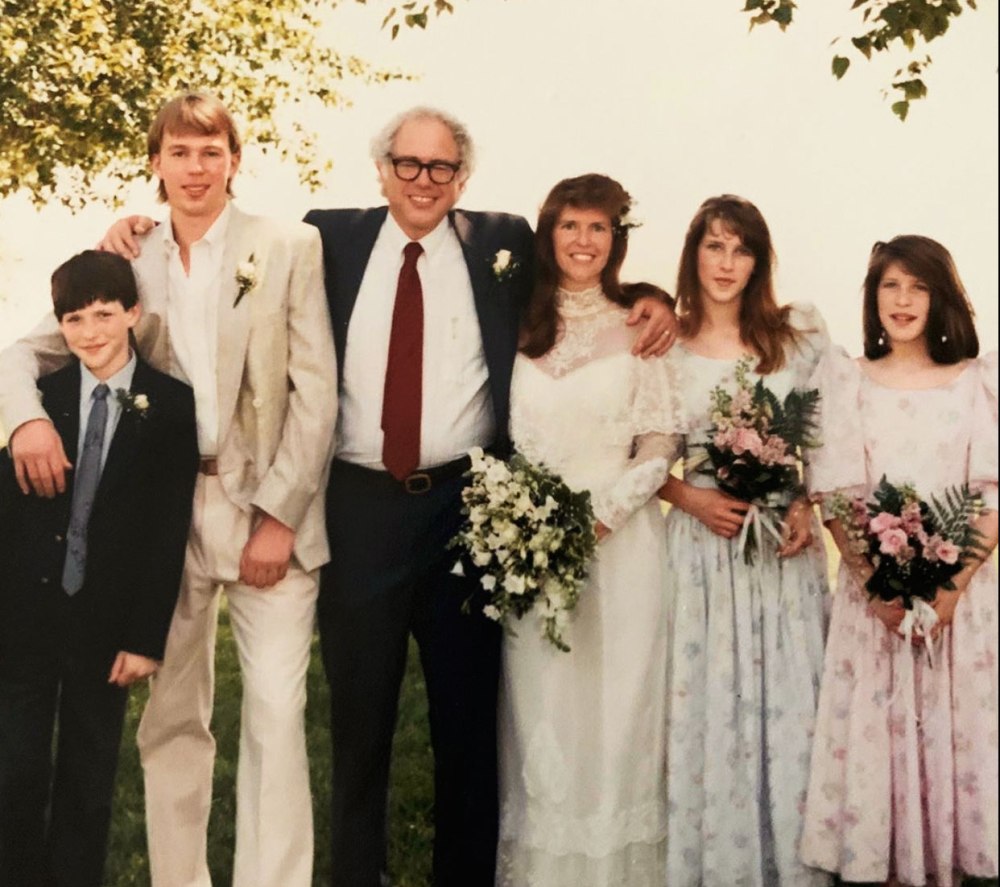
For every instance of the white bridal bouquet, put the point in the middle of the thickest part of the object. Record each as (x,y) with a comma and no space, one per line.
(530,536)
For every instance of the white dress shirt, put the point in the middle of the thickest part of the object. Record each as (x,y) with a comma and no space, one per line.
(193,319)
(456,412)
(122,380)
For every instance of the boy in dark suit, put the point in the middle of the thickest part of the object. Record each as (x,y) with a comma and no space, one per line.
(88,579)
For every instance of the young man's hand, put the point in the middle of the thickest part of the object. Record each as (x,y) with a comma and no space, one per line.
(40,461)
(266,555)
(131,667)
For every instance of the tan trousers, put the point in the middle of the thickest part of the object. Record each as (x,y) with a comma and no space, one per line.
(273,629)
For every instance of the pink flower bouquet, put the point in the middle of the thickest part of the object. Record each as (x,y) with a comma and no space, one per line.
(914,546)
(754,448)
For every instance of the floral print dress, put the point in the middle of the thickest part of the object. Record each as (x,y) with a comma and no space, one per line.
(904,770)
(745,655)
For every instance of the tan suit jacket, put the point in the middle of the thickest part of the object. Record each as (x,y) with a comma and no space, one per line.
(276,371)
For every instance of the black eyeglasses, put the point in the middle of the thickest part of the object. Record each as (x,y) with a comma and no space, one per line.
(440,172)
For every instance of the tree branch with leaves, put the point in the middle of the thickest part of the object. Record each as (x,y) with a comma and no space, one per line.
(80,81)
(886,25)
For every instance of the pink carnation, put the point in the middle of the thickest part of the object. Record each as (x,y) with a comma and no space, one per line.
(775,452)
(948,552)
(724,439)
(884,521)
(747,441)
(893,540)
(931,545)
(911,518)
(742,402)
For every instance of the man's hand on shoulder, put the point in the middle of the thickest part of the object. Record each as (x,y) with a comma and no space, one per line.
(660,330)
(120,238)
(40,461)
(131,667)
(267,553)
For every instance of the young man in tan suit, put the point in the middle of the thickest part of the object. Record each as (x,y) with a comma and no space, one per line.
(233,304)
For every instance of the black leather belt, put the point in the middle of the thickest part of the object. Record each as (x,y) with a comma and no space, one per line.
(421,481)
(425,479)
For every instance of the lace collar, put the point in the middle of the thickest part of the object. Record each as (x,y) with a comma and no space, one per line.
(580,303)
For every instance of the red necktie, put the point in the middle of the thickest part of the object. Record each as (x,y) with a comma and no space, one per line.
(401,399)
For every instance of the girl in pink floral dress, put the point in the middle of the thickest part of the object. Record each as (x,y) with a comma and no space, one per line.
(903,783)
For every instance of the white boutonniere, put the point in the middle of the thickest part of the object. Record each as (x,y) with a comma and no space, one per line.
(504,265)
(246,278)
(132,404)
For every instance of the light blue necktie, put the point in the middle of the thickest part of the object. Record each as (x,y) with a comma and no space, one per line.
(88,473)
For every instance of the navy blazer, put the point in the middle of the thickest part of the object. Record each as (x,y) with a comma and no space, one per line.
(348,238)
(136,536)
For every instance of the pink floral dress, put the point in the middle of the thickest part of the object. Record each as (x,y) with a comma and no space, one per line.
(903,777)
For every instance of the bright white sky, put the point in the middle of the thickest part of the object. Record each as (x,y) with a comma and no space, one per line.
(676,100)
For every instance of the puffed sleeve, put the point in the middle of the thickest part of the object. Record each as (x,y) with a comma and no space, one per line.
(839,461)
(983,449)
(655,425)
(813,340)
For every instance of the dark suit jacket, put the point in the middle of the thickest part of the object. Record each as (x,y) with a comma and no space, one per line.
(349,236)
(136,535)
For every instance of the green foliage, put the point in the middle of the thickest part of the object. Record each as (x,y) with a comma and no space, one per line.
(81,81)
(954,513)
(796,421)
(887,25)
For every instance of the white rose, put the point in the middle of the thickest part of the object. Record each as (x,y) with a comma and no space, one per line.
(523,504)
(501,261)
(509,535)
(541,560)
(491,612)
(497,473)
(488,582)
(481,558)
(246,270)
(514,583)
(545,512)
(141,402)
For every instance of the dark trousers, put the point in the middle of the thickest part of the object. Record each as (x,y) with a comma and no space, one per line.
(390,575)
(54,825)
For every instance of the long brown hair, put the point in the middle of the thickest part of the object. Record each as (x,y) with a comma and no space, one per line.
(951,330)
(764,325)
(590,191)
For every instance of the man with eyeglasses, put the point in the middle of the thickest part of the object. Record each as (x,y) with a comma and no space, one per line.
(425,301)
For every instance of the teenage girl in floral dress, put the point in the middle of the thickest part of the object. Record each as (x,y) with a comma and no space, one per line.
(746,641)
(903,783)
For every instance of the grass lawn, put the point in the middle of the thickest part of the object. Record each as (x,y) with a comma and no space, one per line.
(411,829)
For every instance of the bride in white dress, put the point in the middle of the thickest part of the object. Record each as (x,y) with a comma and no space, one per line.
(583,796)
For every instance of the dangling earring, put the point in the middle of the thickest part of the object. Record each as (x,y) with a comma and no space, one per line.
(881,339)
(944,338)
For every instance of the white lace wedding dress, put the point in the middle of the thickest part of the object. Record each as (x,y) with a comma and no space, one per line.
(582,734)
